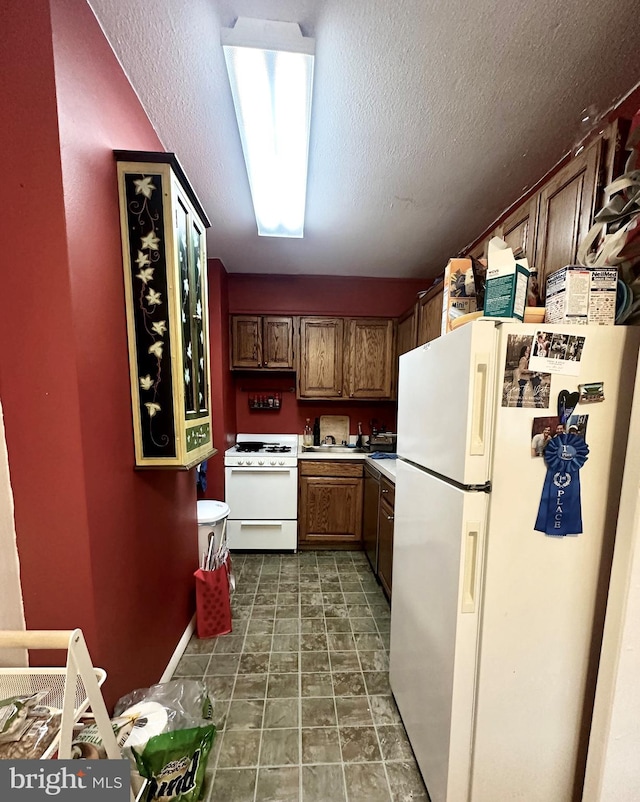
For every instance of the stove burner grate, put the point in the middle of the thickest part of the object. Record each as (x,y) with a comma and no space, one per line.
(249,446)
(275,449)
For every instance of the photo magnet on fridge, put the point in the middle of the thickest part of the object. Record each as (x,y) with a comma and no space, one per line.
(578,425)
(522,386)
(542,430)
(591,392)
(557,353)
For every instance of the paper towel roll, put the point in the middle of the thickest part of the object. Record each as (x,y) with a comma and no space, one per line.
(150,718)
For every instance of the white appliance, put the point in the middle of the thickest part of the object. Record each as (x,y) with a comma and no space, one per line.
(261,479)
(495,627)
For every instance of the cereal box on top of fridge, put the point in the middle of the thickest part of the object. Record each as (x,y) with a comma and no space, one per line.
(459,294)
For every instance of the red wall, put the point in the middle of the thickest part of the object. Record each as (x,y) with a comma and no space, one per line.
(222,388)
(290,418)
(101,546)
(322,295)
(38,362)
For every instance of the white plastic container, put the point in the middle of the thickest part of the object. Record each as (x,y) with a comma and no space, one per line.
(211,517)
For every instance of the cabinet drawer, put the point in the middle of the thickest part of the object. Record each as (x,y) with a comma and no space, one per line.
(387,491)
(326,468)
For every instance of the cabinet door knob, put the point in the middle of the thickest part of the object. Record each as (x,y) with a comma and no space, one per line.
(385,491)
(389,517)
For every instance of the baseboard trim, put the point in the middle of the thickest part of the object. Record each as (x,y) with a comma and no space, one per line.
(179,650)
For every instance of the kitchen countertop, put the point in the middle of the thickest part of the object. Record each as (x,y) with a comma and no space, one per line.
(387,467)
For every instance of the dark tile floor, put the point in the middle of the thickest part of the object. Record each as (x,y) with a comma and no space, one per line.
(300,687)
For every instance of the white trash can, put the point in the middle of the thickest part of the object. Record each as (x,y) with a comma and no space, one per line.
(211,517)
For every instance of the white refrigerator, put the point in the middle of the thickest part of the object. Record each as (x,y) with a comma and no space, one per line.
(496,627)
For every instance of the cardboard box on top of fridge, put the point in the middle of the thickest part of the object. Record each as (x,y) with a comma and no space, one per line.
(577,294)
(505,292)
(459,292)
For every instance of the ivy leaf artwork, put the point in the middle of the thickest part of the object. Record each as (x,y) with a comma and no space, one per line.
(153,298)
(146,382)
(144,186)
(150,241)
(146,274)
(156,349)
(159,327)
(143,259)
(152,408)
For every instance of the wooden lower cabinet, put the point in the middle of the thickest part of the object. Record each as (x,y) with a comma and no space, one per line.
(370,513)
(377,525)
(330,504)
(385,535)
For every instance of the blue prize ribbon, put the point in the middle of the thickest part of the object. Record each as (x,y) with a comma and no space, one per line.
(560,511)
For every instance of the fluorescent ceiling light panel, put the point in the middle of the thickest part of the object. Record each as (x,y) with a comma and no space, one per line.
(270,66)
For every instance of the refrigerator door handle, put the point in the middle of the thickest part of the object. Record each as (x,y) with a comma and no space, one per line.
(472,534)
(479,408)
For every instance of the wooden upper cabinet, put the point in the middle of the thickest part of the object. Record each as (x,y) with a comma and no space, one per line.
(519,229)
(321,357)
(277,343)
(480,250)
(566,210)
(351,358)
(370,358)
(246,341)
(430,314)
(261,342)
(407,337)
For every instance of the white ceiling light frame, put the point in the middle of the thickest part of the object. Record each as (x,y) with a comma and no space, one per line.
(270,67)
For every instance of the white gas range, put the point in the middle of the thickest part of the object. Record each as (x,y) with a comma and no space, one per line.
(261,478)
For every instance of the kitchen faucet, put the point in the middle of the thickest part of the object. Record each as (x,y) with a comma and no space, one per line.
(329,440)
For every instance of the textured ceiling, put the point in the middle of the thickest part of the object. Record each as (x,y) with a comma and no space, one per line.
(429,117)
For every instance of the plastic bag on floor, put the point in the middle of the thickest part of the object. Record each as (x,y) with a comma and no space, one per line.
(172,738)
(175,764)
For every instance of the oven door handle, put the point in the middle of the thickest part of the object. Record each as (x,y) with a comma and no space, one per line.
(261,523)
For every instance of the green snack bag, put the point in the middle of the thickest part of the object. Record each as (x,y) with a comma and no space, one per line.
(174,763)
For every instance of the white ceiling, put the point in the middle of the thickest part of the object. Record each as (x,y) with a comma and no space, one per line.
(429,116)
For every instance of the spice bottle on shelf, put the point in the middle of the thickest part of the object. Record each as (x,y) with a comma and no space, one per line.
(316,432)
